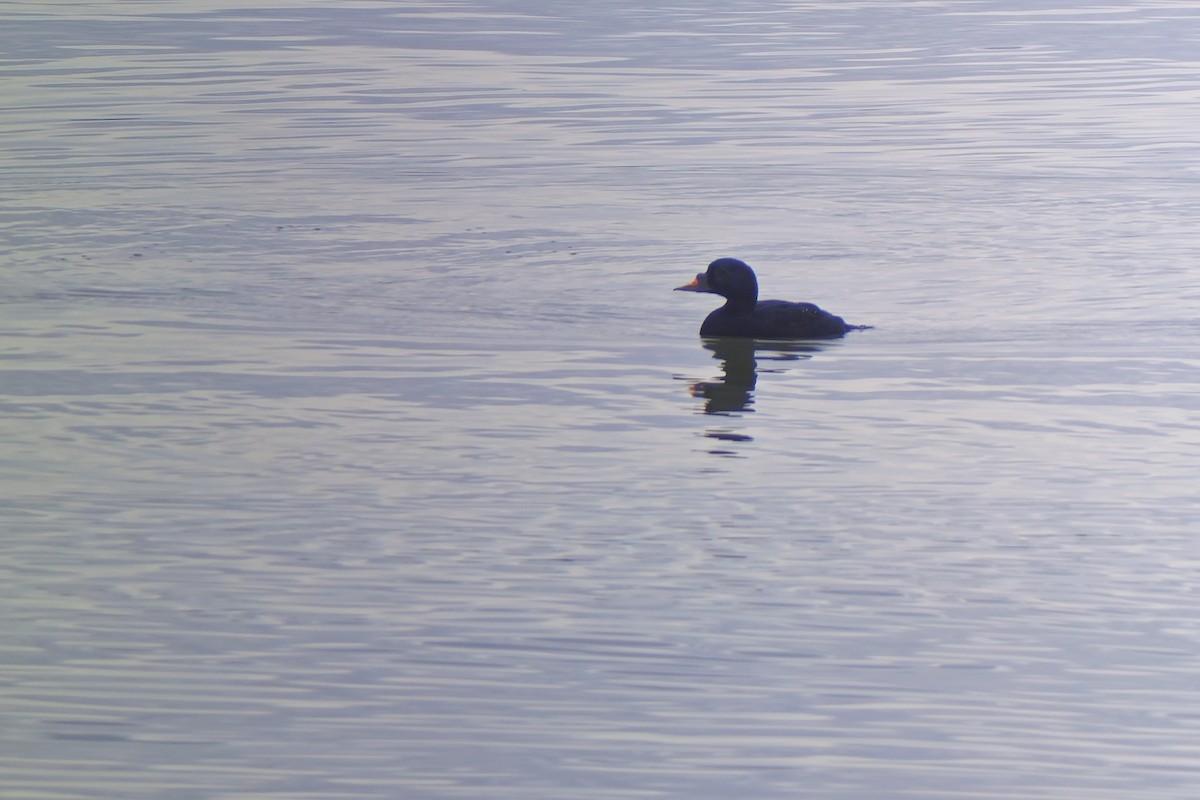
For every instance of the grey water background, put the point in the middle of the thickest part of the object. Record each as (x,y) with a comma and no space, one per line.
(353,444)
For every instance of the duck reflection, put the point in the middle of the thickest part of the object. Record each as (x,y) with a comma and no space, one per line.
(733,392)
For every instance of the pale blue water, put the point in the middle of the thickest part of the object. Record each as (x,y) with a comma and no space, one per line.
(354,445)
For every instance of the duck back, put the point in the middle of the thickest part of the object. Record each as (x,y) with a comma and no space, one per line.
(776,319)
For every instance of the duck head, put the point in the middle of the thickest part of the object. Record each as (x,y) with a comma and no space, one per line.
(730,278)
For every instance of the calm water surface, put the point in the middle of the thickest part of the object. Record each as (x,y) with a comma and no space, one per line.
(353,443)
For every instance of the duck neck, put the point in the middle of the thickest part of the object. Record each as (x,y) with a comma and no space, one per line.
(740,305)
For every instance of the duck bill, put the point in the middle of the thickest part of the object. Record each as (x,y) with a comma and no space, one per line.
(699,284)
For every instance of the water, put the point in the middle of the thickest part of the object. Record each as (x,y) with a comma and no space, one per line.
(355,446)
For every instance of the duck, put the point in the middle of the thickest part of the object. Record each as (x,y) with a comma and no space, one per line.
(745,316)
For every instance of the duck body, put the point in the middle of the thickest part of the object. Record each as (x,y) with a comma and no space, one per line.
(745,316)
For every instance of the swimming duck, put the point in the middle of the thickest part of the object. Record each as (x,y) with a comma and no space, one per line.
(745,316)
